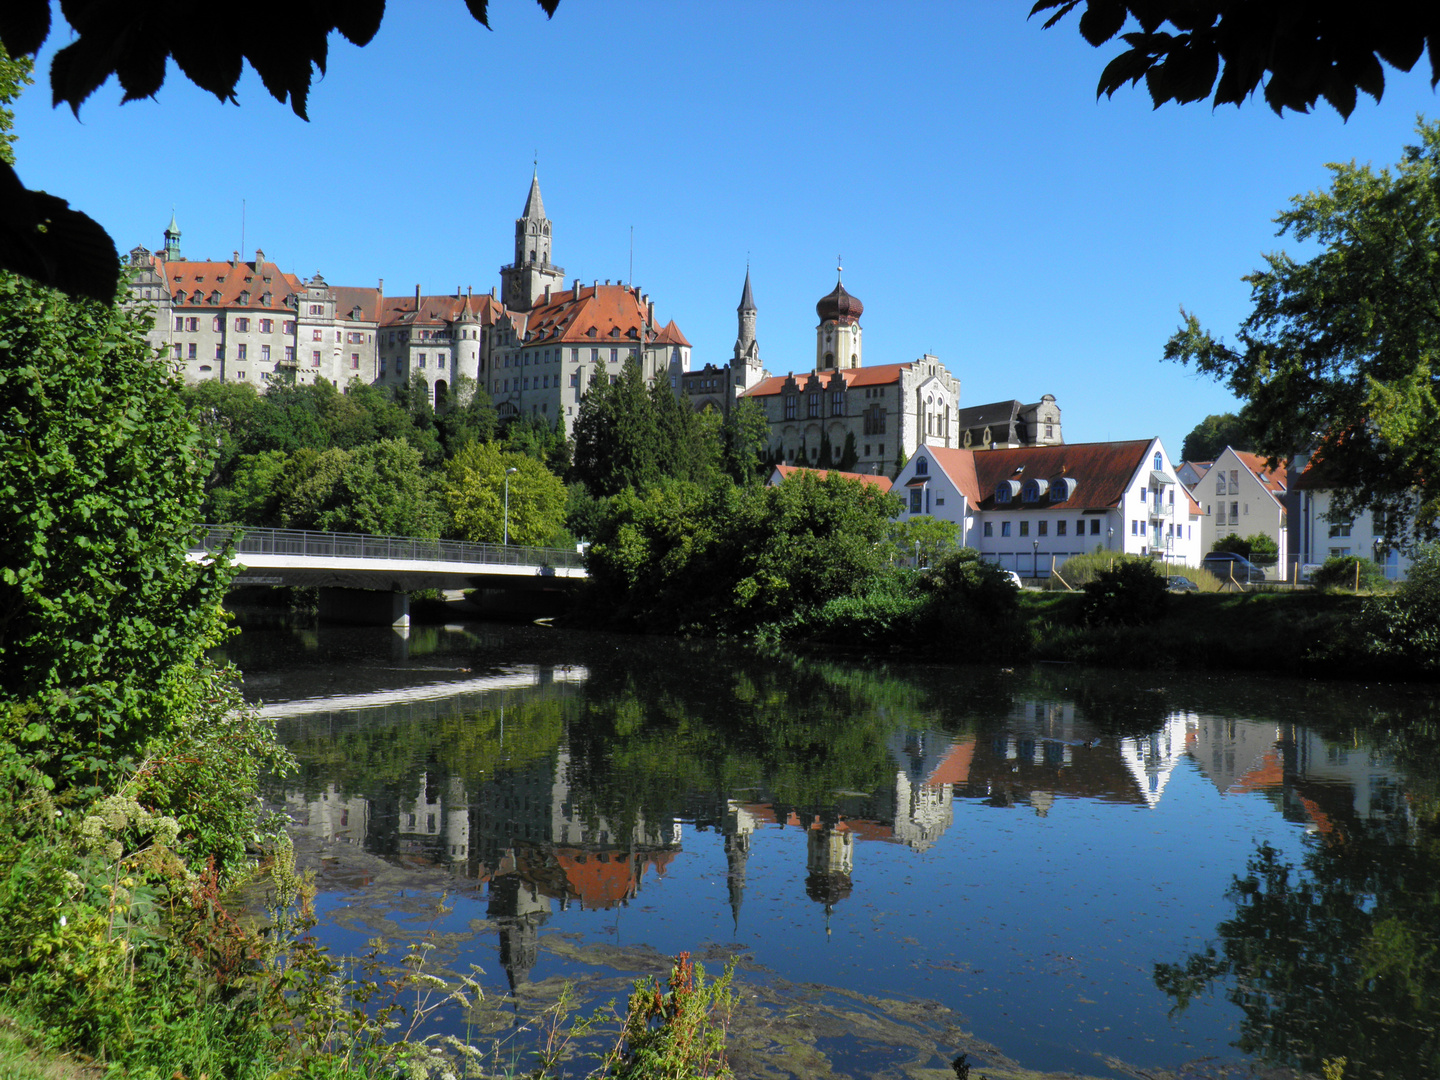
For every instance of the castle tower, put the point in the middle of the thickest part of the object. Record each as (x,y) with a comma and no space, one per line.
(837,338)
(746,350)
(524,281)
(172,241)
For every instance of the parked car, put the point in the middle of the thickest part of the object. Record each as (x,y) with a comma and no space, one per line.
(1181,584)
(1226,565)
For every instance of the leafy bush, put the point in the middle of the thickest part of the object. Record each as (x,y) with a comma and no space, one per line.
(1239,545)
(1403,629)
(1131,594)
(970,597)
(1340,572)
(1081,569)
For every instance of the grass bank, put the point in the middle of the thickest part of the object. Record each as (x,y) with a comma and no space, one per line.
(1301,633)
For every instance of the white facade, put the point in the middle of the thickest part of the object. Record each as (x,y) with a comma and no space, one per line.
(1320,538)
(1240,496)
(1029,509)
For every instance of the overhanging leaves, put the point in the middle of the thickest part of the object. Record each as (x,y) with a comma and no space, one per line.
(134,40)
(1300,50)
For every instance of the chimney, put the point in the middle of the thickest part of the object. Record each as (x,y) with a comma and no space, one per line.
(577,289)
(650,312)
(458,293)
(547,294)
(381,287)
(417,299)
(467,292)
(259,258)
(235,258)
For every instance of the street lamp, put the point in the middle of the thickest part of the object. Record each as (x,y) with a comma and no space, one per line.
(1110,538)
(1035,558)
(508,471)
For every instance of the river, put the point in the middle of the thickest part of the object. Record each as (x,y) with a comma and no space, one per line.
(1051,870)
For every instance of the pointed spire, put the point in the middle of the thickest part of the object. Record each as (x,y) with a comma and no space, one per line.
(173,229)
(747,301)
(534,205)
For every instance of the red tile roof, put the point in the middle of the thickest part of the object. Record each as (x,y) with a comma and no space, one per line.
(959,466)
(600,314)
(670,335)
(881,482)
(1275,480)
(1102,471)
(954,768)
(228,280)
(436,310)
(348,299)
(879,375)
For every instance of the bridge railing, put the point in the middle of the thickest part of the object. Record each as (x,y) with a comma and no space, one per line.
(250,541)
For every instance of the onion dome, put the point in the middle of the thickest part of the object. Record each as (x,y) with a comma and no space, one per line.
(839,306)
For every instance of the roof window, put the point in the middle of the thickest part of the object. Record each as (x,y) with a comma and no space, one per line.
(1034,490)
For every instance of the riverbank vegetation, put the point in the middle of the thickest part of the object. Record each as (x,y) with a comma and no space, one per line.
(130,765)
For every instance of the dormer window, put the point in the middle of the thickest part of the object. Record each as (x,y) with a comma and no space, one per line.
(1062,488)
(1034,490)
(1006,490)
(245,297)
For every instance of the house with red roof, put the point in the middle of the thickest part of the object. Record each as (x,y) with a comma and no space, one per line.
(1030,508)
(781,473)
(1240,494)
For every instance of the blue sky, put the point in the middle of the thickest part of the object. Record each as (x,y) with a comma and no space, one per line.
(988,209)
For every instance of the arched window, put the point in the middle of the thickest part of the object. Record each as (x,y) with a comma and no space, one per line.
(1034,490)
(1159,463)
(922,467)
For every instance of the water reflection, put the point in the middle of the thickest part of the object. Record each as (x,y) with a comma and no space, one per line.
(1022,849)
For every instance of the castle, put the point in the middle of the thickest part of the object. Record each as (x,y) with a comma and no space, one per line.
(535,347)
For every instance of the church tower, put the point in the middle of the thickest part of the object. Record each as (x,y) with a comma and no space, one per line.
(746,369)
(172,241)
(837,338)
(524,282)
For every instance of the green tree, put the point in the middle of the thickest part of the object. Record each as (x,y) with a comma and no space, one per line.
(1343,348)
(924,537)
(253,494)
(1212,435)
(726,559)
(101,472)
(381,489)
(475,496)
(1303,50)
(746,435)
(14,77)
(469,415)
(629,434)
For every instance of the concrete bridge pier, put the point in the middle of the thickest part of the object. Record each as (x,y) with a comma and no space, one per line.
(365,607)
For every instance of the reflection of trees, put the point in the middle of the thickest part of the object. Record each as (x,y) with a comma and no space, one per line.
(1340,959)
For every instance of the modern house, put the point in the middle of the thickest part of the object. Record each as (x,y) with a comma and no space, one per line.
(1241,495)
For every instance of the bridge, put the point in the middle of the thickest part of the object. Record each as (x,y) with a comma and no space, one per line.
(348,566)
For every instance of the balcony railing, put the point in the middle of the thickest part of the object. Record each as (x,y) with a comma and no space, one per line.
(248,541)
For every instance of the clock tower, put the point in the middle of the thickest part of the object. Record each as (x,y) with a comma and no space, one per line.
(525,281)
